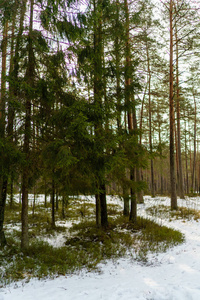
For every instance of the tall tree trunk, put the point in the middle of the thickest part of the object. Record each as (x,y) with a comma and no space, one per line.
(117,57)
(126,202)
(3,80)
(133,212)
(150,121)
(53,224)
(171,105)
(161,159)
(180,173)
(177,160)
(118,95)
(57,201)
(98,95)
(45,193)
(10,109)
(3,178)
(186,161)
(130,113)
(27,135)
(141,114)
(11,192)
(98,209)
(194,158)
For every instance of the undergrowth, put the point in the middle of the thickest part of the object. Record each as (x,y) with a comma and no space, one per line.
(85,245)
(183,213)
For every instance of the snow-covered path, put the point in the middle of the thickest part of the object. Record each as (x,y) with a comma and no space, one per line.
(174,275)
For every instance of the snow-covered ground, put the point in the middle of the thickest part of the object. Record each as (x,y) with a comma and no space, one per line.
(173,275)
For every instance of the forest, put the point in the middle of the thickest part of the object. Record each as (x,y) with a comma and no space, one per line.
(98,98)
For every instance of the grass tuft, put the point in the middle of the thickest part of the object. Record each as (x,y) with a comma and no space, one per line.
(85,245)
(184,213)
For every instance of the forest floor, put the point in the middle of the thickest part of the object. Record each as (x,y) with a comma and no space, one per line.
(170,275)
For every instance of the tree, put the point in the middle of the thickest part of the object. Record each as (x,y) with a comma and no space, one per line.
(3,178)
(171,114)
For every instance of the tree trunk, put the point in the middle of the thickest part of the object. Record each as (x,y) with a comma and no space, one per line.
(64,205)
(171,105)
(186,160)
(161,163)
(27,136)
(11,191)
(126,202)
(57,200)
(194,158)
(3,178)
(180,173)
(150,122)
(3,80)
(104,216)
(133,212)
(45,193)
(98,210)
(53,224)
(2,211)
(98,96)
(117,57)
(132,124)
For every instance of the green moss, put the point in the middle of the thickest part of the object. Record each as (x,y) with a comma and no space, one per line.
(86,246)
(184,213)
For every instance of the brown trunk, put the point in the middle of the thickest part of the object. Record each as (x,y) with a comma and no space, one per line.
(104,216)
(141,115)
(177,160)
(11,113)
(140,194)
(98,210)
(186,161)
(132,124)
(161,160)
(3,80)
(133,212)
(150,123)
(171,105)
(117,57)
(180,172)
(27,136)
(194,158)
(98,95)
(53,224)
(57,202)
(118,94)
(126,201)
(3,177)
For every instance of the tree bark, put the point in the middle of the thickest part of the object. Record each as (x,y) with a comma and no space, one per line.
(98,96)
(98,210)
(132,124)
(133,212)
(3,178)
(186,161)
(171,113)
(126,202)
(194,158)
(180,169)
(27,135)
(53,224)
(150,121)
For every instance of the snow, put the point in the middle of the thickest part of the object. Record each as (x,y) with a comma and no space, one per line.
(173,275)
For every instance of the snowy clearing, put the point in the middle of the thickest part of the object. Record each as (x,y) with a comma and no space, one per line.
(173,275)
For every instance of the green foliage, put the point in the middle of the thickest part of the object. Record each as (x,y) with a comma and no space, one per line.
(184,213)
(85,247)
(10,157)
